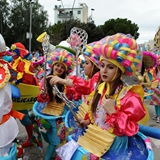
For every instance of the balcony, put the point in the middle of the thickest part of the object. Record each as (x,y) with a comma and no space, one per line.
(65,15)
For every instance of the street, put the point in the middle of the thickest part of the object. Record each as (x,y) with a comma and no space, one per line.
(33,153)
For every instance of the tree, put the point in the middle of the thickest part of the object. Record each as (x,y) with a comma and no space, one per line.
(94,33)
(54,32)
(18,22)
(119,25)
(4,12)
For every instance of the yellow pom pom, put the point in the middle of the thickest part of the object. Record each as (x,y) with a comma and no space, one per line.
(13,47)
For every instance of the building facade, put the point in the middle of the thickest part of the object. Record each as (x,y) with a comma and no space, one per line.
(157,39)
(62,13)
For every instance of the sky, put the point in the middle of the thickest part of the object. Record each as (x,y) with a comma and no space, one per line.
(144,13)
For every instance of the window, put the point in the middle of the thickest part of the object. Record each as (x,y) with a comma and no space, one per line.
(78,12)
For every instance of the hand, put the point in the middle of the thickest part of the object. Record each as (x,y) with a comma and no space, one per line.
(83,122)
(55,79)
(108,104)
(43,92)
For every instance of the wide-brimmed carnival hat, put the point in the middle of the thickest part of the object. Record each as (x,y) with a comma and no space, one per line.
(63,56)
(20,50)
(149,59)
(121,50)
(94,57)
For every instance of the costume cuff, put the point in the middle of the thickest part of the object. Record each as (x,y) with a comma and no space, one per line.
(41,99)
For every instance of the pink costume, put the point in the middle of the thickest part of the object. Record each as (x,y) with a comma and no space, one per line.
(130,110)
(84,87)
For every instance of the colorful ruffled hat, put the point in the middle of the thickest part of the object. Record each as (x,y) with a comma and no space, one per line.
(93,56)
(121,50)
(149,59)
(63,56)
(20,50)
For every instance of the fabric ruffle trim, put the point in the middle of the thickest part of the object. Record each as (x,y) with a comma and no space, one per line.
(41,99)
(111,119)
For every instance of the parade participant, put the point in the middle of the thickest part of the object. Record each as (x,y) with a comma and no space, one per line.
(48,103)
(61,63)
(115,107)
(149,61)
(26,76)
(83,86)
(156,97)
(22,65)
(37,62)
(8,125)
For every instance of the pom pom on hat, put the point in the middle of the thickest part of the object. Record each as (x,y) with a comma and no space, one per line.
(20,49)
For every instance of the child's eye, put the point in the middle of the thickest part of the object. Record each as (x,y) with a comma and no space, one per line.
(110,67)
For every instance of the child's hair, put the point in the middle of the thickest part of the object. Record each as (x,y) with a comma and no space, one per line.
(95,69)
(142,68)
(59,86)
(96,97)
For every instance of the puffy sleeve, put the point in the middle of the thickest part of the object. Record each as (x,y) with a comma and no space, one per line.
(125,120)
(84,87)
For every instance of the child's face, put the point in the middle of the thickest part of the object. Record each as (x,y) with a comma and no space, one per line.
(59,69)
(87,66)
(108,71)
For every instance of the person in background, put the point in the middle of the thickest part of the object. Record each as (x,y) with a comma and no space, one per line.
(25,75)
(8,125)
(156,97)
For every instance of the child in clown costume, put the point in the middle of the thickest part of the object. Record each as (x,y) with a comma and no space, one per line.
(25,75)
(115,107)
(8,125)
(61,63)
(83,86)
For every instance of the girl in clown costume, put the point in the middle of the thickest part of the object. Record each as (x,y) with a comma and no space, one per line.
(115,107)
(83,86)
(61,63)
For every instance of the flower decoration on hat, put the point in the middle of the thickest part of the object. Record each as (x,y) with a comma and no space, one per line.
(20,50)
(121,50)
(62,56)
(92,56)
(149,59)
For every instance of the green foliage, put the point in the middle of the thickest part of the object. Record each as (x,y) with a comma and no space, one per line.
(119,25)
(18,22)
(15,23)
(94,33)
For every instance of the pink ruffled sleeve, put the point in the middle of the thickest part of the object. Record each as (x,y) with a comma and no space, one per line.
(84,87)
(125,120)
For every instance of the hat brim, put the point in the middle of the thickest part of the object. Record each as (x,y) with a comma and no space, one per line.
(66,48)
